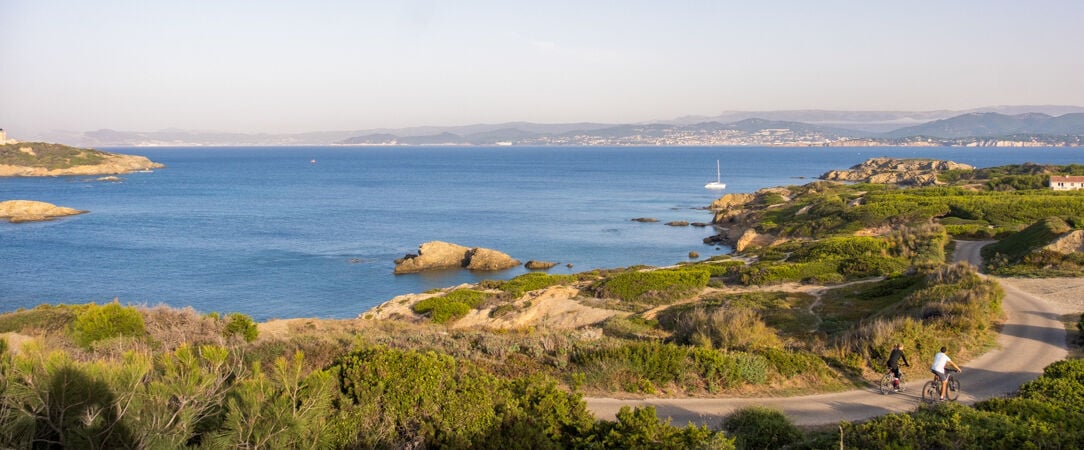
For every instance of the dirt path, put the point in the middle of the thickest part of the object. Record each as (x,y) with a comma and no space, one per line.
(1032,338)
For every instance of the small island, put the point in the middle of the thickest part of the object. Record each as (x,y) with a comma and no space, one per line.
(16,211)
(41,159)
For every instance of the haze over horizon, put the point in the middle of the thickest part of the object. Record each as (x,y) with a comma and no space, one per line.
(278,66)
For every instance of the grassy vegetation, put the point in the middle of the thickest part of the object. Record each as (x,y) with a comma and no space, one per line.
(1022,253)
(450,306)
(653,287)
(49,156)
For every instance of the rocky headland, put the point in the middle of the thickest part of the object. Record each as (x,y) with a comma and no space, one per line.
(904,172)
(736,215)
(438,255)
(16,211)
(38,159)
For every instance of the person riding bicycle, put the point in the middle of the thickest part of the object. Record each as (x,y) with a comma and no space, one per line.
(894,365)
(938,369)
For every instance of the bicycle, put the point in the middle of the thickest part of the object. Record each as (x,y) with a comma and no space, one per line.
(886,383)
(931,392)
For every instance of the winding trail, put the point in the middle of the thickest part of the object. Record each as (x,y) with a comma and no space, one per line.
(1032,337)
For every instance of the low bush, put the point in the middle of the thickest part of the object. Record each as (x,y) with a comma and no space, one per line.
(527,282)
(96,323)
(791,363)
(826,271)
(757,428)
(657,363)
(450,306)
(725,370)
(734,328)
(240,325)
(42,317)
(640,428)
(653,287)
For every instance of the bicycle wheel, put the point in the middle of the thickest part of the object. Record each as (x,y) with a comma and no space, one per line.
(931,391)
(953,389)
(886,384)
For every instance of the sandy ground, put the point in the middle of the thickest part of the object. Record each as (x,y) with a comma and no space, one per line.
(1065,294)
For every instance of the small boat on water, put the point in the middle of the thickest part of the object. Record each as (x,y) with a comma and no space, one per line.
(718,183)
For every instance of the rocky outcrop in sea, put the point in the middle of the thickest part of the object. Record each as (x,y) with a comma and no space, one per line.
(437,255)
(16,211)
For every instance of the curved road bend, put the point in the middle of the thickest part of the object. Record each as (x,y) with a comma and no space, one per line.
(1032,338)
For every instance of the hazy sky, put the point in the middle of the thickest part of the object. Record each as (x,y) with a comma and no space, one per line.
(267,66)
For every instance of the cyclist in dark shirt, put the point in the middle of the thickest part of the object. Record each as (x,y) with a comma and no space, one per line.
(894,364)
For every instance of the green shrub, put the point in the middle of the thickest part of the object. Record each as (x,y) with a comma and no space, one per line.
(640,428)
(42,317)
(652,361)
(759,428)
(791,363)
(527,282)
(738,328)
(106,321)
(238,324)
(426,396)
(450,306)
(723,370)
(824,271)
(653,287)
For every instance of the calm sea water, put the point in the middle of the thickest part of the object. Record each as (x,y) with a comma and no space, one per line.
(266,232)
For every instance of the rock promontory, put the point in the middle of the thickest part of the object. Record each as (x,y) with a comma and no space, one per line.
(904,172)
(16,211)
(438,255)
(39,159)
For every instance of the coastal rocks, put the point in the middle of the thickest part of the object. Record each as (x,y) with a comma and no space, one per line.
(16,211)
(729,201)
(677,223)
(486,259)
(539,265)
(645,219)
(904,172)
(438,255)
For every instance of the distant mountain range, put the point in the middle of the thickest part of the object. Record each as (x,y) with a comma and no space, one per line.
(1041,125)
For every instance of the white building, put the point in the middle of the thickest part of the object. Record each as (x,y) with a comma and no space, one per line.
(1066,183)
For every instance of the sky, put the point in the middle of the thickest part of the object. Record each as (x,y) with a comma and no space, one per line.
(321,65)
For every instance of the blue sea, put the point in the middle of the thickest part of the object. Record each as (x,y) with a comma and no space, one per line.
(279,232)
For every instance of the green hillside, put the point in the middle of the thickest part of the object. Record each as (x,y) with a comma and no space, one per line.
(49,156)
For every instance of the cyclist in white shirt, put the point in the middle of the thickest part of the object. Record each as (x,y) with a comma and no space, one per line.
(938,369)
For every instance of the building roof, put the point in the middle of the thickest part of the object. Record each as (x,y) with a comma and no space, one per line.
(1066,179)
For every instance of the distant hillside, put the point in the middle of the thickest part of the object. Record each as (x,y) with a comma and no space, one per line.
(995,124)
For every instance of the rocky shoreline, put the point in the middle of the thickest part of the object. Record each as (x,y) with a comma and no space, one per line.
(736,215)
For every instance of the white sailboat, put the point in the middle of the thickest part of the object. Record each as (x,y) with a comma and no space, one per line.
(718,183)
